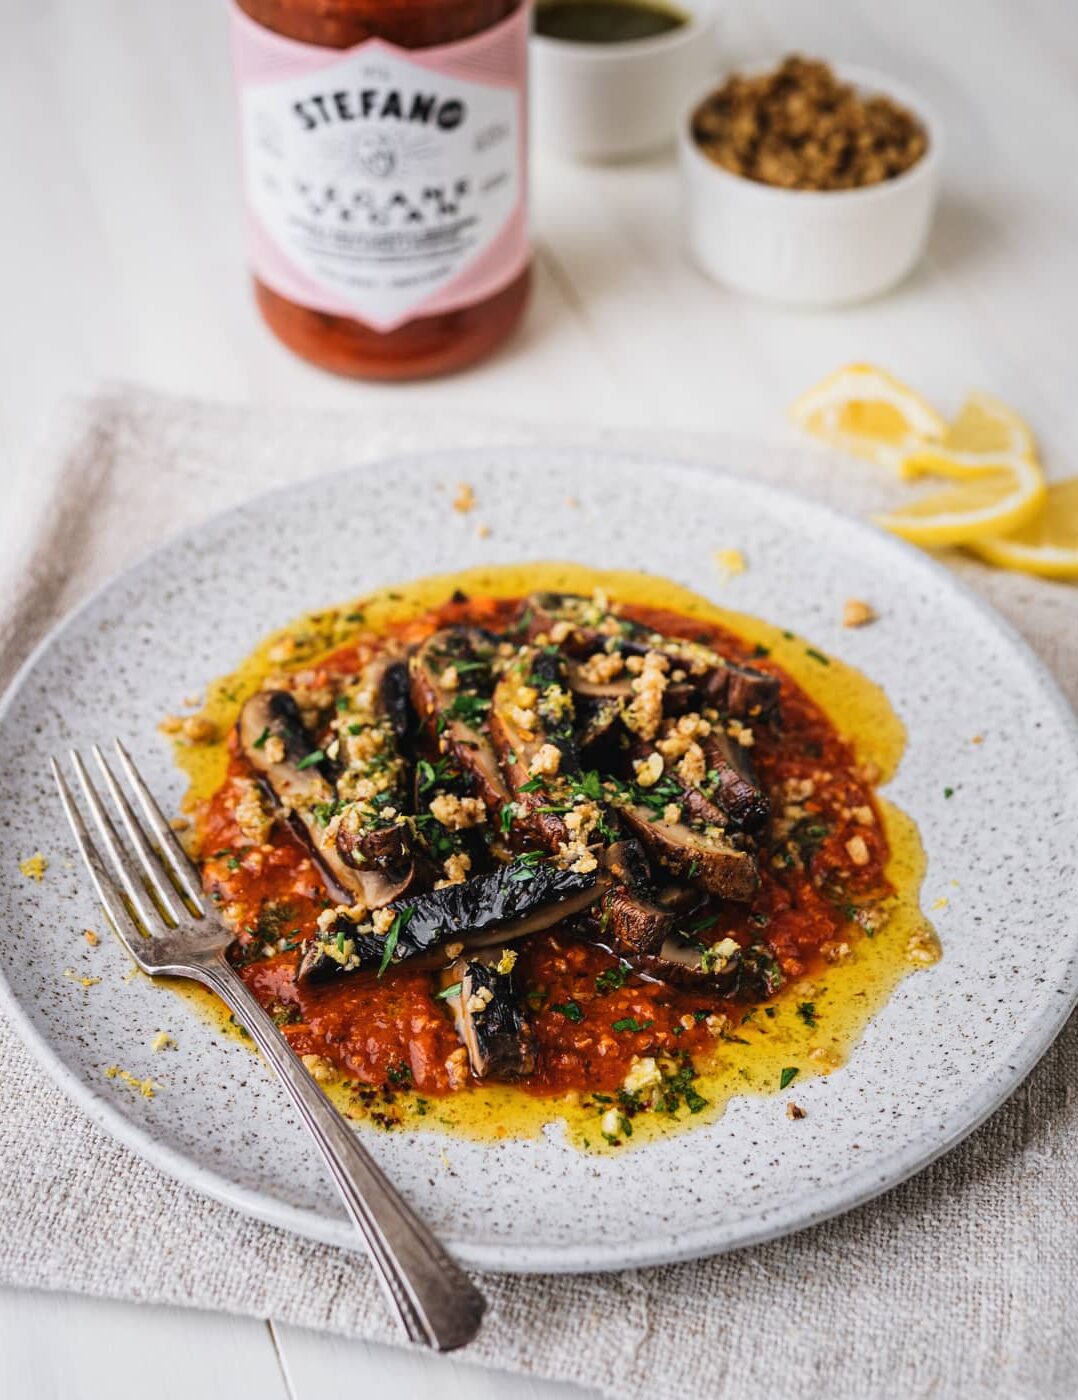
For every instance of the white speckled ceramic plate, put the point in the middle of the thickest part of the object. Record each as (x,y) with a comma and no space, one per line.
(946,1050)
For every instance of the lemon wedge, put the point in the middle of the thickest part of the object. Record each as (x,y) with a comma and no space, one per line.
(984,432)
(868,411)
(1048,544)
(993,500)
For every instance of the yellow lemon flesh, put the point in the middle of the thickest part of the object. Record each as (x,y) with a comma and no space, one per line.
(1047,544)
(868,411)
(984,432)
(995,500)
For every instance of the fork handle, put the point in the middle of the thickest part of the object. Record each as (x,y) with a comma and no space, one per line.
(436,1302)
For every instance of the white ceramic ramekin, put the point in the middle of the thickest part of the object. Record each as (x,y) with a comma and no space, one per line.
(612,101)
(807,247)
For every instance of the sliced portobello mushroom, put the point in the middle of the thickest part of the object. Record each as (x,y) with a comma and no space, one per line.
(372,779)
(497,907)
(742,692)
(631,918)
(455,714)
(533,707)
(703,856)
(488,1012)
(273,739)
(731,782)
(685,960)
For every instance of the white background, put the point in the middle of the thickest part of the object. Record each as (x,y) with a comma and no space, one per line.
(122,258)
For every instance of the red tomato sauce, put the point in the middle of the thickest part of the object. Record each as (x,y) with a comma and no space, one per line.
(394,1031)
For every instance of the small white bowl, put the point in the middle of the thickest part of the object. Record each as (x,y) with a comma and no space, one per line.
(610,101)
(809,247)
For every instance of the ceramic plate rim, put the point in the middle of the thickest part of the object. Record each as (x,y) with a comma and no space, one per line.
(875,1177)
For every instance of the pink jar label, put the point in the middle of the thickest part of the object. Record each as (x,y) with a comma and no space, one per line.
(383,183)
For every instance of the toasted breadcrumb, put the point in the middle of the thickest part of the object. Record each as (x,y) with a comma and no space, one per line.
(464,500)
(857,613)
(91,937)
(34,867)
(73,976)
(146,1087)
(162,1041)
(730,562)
(794,1110)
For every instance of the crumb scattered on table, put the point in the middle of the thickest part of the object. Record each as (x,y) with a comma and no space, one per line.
(91,937)
(464,500)
(794,1110)
(162,1041)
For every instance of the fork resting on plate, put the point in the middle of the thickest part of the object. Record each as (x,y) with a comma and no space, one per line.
(153,896)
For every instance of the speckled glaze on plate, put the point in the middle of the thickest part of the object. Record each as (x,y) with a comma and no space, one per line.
(947,1049)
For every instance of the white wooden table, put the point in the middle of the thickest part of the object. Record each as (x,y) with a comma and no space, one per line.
(122,259)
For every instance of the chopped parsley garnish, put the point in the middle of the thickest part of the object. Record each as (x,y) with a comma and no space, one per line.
(571,1010)
(447,992)
(343,702)
(587,785)
(400,922)
(630,1023)
(354,617)
(315,756)
(948,792)
(324,812)
(233,862)
(505,818)
(612,978)
(760,650)
(534,784)
(788,1075)
(468,707)
(818,656)
(807,1011)
(261,740)
(430,774)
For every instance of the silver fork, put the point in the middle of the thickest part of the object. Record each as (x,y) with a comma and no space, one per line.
(155,904)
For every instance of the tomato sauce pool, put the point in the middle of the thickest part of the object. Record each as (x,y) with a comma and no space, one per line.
(591,1016)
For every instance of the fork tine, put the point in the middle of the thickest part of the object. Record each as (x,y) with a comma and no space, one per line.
(122,864)
(153,868)
(174,855)
(108,892)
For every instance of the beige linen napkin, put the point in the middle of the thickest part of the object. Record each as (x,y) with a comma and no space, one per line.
(960,1283)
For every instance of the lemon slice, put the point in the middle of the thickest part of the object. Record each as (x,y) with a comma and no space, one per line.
(993,501)
(867,411)
(984,431)
(1048,544)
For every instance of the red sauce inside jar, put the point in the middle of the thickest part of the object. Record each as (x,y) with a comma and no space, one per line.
(429,344)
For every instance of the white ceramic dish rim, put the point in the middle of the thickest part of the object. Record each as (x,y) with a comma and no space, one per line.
(870,81)
(701,16)
(879,1174)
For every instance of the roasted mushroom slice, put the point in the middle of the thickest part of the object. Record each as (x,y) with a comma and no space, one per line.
(451,680)
(684,959)
(278,747)
(705,855)
(742,692)
(489,1016)
(531,727)
(372,782)
(497,907)
(731,782)
(630,918)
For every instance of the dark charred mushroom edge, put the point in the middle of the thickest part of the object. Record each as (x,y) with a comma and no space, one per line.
(549,840)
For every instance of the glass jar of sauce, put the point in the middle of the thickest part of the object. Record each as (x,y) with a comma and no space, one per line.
(384,149)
